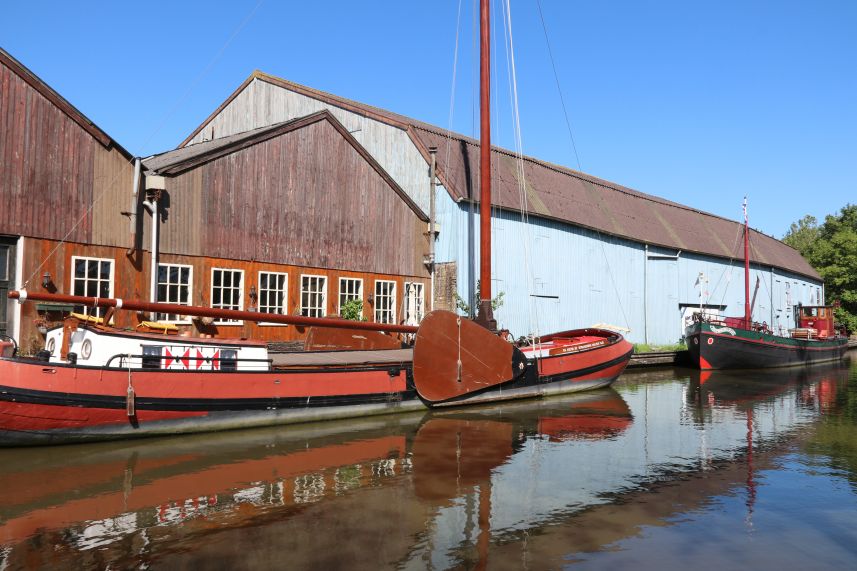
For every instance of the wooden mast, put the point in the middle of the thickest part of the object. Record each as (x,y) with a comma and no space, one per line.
(748,312)
(485,316)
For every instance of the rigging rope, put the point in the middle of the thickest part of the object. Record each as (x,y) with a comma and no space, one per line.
(559,90)
(526,229)
(599,236)
(731,268)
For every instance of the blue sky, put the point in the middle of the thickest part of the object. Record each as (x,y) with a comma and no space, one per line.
(699,103)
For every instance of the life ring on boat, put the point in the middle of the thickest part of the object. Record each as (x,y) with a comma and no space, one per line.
(711,340)
(8,341)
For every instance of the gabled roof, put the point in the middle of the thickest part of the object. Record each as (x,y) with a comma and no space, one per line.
(560,193)
(175,162)
(60,102)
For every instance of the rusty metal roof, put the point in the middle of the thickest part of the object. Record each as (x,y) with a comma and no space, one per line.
(566,195)
(563,194)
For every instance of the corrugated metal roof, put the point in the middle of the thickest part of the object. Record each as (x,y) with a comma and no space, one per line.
(564,194)
(570,196)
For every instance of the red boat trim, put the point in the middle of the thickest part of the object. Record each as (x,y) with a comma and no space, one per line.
(392,368)
(585,371)
(52,398)
(831,344)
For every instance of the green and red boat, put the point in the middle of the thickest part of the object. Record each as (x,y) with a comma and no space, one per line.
(741,343)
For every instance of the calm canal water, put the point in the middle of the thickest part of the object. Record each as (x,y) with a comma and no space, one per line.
(671,470)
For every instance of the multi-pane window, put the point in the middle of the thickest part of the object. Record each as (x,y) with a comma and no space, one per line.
(272,292)
(349,288)
(92,277)
(385,301)
(174,286)
(227,287)
(414,303)
(313,296)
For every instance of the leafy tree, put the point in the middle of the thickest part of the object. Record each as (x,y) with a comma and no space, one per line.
(802,234)
(832,250)
(465,307)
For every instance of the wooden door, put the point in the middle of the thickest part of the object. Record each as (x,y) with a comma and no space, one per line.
(7,265)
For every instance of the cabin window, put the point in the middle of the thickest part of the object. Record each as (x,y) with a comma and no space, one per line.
(152,356)
(313,296)
(273,289)
(414,303)
(91,277)
(385,301)
(174,286)
(349,289)
(229,360)
(227,287)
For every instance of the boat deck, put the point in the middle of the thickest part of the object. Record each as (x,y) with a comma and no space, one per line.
(310,358)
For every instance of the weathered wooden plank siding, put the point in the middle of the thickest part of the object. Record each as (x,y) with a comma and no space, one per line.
(261,104)
(56,179)
(306,197)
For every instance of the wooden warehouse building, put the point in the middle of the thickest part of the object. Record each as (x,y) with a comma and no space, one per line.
(295,217)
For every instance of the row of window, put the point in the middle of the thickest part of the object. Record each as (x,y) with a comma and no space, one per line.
(94,277)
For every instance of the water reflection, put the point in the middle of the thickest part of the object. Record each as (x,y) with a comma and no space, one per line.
(538,484)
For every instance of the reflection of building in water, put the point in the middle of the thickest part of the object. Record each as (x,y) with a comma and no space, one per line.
(517,480)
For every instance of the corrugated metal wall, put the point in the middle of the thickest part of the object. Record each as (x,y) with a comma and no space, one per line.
(556,276)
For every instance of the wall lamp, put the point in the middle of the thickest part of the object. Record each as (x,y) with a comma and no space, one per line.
(46,280)
(254,296)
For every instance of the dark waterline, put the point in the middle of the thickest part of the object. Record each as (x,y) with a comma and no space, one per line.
(673,469)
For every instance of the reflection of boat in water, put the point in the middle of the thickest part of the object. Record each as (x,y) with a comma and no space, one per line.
(169,490)
(462,448)
(748,387)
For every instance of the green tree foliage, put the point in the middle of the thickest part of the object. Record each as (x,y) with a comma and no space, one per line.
(465,307)
(353,310)
(831,248)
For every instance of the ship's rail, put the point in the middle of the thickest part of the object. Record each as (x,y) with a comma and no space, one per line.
(156,363)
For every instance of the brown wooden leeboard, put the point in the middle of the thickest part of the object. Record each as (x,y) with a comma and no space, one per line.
(332,339)
(444,338)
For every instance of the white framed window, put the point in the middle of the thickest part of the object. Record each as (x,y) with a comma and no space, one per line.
(227,291)
(385,301)
(174,286)
(349,288)
(91,277)
(313,296)
(415,301)
(273,293)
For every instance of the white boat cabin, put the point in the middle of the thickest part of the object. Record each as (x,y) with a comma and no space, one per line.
(95,345)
